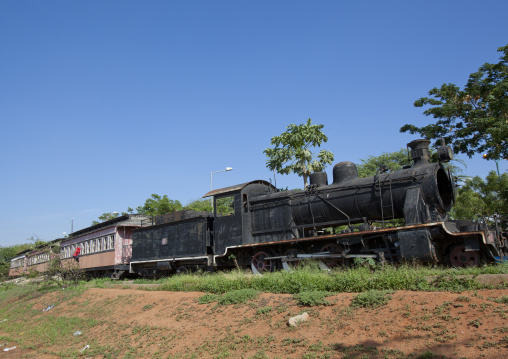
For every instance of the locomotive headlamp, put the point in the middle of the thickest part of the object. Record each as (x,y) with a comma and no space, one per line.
(445,154)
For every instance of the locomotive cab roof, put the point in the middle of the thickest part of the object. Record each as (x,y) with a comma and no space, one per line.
(238,187)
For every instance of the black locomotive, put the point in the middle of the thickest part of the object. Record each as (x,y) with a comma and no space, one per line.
(393,216)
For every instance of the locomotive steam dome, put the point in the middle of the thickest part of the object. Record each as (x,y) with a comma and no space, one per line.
(344,172)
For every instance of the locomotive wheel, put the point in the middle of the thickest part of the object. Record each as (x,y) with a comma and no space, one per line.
(333,248)
(458,257)
(261,264)
(292,252)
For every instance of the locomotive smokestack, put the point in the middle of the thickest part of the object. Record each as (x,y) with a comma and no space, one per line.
(420,151)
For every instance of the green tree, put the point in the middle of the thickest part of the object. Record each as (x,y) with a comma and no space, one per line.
(157,205)
(199,205)
(7,253)
(481,198)
(393,160)
(472,120)
(396,160)
(106,217)
(291,152)
(224,205)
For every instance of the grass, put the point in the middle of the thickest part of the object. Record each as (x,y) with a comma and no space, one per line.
(45,328)
(371,299)
(312,298)
(308,279)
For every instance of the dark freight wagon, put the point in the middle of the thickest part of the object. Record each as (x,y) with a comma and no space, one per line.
(181,240)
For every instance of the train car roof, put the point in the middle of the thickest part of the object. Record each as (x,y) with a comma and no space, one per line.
(125,220)
(237,187)
(40,246)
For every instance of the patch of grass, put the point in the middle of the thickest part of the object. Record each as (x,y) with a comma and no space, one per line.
(462,298)
(312,298)
(503,299)
(208,298)
(371,299)
(264,310)
(238,296)
(147,307)
(308,278)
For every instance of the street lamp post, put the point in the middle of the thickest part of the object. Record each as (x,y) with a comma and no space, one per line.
(211,187)
(497,165)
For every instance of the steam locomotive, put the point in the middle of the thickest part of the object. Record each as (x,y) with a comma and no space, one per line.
(394,216)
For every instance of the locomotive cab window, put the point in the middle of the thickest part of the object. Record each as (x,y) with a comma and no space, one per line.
(225,205)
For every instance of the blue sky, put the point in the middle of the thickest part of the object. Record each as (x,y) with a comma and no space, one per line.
(103,103)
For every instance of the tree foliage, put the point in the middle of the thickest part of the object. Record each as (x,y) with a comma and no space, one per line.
(292,151)
(393,160)
(396,160)
(157,206)
(106,217)
(7,253)
(481,198)
(224,205)
(199,205)
(472,120)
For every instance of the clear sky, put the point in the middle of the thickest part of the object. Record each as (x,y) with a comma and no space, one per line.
(103,103)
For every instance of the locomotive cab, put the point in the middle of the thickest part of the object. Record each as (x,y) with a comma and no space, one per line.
(232,229)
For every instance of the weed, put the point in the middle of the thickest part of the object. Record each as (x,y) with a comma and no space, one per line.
(147,306)
(462,298)
(503,299)
(264,310)
(282,308)
(238,296)
(312,298)
(371,299)
(501,330)
(475,323)
(208,298)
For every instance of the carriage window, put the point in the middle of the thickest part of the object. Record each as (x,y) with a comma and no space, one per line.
(226,205)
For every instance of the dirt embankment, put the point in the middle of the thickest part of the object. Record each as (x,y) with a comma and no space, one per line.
(135,323)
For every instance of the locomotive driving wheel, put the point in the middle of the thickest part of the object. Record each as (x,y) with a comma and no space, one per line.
(333,248)
(458,257)
(260,264)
